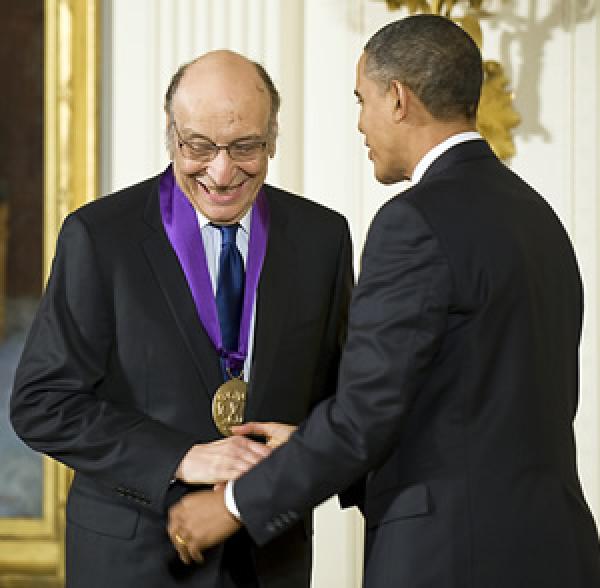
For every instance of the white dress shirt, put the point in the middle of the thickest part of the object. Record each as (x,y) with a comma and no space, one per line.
(429,157)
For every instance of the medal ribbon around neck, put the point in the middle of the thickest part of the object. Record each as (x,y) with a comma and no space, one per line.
(181,225)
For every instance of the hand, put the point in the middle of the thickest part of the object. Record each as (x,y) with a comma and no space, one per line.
(200,520)
(276,433)
(219,461)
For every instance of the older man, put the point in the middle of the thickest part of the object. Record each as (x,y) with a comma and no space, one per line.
(459,380)
(177,307)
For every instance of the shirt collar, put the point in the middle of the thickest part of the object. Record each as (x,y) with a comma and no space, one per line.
(244,222)
(438,150)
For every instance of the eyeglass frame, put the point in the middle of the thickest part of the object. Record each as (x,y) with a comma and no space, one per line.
(217,148)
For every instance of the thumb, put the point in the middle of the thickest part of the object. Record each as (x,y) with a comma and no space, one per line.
(252,428)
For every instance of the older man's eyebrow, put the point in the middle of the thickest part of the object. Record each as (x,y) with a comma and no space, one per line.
(192,135)
(196,136)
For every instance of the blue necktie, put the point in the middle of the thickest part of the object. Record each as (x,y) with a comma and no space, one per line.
(230,287)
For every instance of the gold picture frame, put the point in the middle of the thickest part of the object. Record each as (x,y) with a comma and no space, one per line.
(32,550)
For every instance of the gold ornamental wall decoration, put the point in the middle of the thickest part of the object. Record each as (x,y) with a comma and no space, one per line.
(496,115)
(32,549)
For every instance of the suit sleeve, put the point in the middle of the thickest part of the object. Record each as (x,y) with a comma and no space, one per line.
(397,319)
(55,407)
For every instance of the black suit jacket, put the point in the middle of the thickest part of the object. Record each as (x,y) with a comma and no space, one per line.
(117,376)
(458,388)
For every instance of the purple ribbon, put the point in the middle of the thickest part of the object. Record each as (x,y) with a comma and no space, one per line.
(181,225)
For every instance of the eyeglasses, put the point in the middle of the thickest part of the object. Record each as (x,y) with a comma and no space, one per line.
(205,150)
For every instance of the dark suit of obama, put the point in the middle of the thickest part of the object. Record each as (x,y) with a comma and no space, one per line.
(457,392)
(117,377)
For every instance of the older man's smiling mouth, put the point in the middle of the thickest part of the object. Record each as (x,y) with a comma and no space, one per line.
(219,194)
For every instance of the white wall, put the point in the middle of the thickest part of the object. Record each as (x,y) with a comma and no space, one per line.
(550,50)
(149,39)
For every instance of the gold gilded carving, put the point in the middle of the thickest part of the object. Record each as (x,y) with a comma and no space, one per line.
(32,549)
(496,116)
(71,107)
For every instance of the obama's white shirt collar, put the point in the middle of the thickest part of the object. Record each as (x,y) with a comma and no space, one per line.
(429,157)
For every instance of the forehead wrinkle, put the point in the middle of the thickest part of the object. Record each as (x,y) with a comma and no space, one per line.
(215,103)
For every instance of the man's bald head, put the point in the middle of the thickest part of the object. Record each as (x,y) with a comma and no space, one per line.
(221,126)
(224,69)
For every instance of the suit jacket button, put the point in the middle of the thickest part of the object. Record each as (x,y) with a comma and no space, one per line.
(279,523)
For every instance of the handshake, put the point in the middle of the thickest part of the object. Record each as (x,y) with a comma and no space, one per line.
(201,519)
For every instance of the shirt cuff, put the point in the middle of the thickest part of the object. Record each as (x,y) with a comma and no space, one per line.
(230,501)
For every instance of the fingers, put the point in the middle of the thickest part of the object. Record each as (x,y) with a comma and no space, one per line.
(182,550)
(244,455)
(221,460)
(183,543)
(257,450)
(275,433)
(238,455)
(197,556)
(179,542)
(252,428)
(199,521)
(186,553)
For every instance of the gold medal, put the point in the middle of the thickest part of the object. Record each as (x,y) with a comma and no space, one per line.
(228,405)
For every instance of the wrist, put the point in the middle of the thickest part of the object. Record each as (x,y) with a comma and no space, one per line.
(234,523)
(183,467)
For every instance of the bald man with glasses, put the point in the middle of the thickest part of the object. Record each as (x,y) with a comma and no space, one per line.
(177,308)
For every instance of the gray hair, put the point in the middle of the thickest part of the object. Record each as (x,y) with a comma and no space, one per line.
(435,58)
(275,99)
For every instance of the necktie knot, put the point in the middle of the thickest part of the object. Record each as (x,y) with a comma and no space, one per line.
(228,233)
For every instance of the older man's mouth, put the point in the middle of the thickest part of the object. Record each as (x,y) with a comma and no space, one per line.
(222,195)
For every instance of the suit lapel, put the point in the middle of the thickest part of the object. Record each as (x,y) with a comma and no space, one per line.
(175,289)
(275,296)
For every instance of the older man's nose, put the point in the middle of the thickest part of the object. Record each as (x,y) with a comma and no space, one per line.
(222,168)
